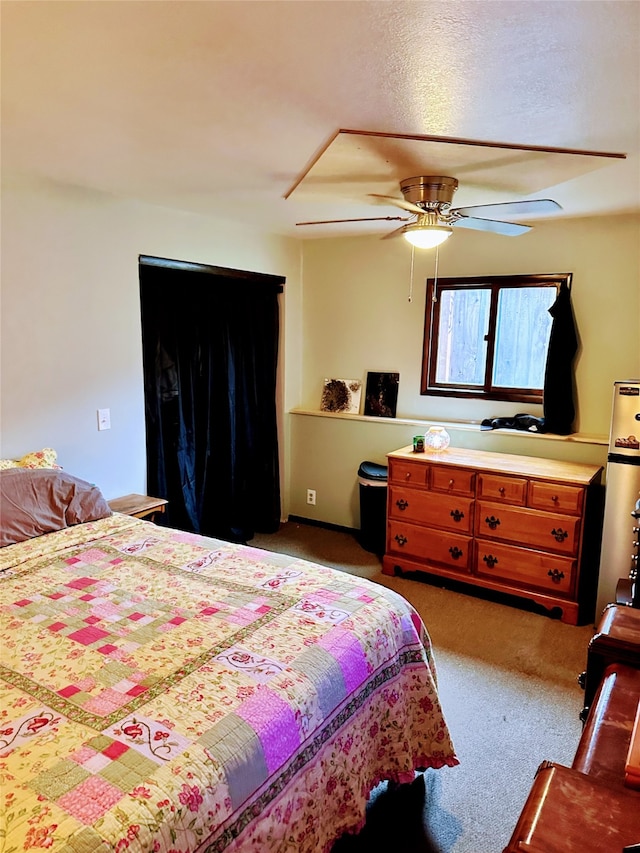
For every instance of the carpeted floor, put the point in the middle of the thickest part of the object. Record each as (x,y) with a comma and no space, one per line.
(507,678)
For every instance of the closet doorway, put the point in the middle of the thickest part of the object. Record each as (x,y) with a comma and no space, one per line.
(210,353)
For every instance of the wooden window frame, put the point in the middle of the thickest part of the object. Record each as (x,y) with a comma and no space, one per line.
(429,386)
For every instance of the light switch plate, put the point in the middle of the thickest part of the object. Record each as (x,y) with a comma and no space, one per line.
(104,419)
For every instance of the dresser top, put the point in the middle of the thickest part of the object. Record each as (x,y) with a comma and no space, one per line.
(504,463)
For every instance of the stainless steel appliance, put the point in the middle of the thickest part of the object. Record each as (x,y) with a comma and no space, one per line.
(628,589)
(622,491)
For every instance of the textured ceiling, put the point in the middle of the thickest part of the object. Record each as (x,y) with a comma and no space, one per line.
(222,108)
(357,163)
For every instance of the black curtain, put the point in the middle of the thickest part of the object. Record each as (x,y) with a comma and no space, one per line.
(558,406)
(210,346)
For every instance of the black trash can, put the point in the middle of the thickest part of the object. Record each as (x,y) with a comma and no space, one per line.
(372,479)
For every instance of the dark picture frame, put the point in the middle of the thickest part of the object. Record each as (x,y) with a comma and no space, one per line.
(381,394)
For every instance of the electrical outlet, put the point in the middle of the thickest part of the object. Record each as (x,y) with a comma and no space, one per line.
(311,497)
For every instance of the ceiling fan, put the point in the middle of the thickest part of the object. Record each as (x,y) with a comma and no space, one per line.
(429,198)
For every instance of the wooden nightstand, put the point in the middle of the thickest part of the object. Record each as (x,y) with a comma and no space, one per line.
(140,506)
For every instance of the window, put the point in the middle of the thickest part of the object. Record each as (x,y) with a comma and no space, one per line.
(488,336)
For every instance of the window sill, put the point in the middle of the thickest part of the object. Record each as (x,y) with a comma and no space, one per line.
(469,426)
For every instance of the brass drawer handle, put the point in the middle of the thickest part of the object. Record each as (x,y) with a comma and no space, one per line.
(559,535)
(407,476)
(456,514)
(492,521)
(490,560)
(400,539)
(555,575)
(402,504)
(502,491)
(455,552)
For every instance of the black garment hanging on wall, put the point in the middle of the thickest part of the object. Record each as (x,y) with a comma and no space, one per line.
(210,349)
(558,391)
(558,406)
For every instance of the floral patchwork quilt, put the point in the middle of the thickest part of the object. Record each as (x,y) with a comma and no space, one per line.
(166,692)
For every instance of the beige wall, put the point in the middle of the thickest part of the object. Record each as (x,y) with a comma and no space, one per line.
(70,322)
(357,317)
(70,333)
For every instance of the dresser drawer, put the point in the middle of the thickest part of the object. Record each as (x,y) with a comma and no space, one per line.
(414,473)
(437,546)
(450,512)
(544,531)
(496,487)
(453,481)
(554,497)
(533,568)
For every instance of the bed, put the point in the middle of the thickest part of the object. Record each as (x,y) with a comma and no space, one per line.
(163,691)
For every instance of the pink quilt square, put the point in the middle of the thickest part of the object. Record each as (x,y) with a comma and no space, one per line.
(138,675)
(88,635)
(177,620)
(136,616)
(71,690)
(107,649)
(91,799)
(115,750)
(107,702)
(91,620)
(57,626)
(326,595)
(54,596)
(105,608)
(86,597)
(23,602)
(83,754)
(136,690)
(92,555)
(81,583)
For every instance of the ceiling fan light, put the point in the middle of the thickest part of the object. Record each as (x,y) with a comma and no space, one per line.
(426,236)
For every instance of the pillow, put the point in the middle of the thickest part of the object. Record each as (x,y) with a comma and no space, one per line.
(34,501)
(45,458)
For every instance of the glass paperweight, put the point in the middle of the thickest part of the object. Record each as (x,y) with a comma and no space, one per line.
(436,438)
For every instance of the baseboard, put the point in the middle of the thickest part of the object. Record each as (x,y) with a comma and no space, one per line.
(312,522)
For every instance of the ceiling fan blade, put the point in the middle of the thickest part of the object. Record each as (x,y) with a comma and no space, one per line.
(511,208)
(365,219)
(397,202)
(395,233)
(508,229)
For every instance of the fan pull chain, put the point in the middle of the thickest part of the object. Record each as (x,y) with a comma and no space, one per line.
(411,278)
(434,296)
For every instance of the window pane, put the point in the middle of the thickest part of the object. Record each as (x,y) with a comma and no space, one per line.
(522,336)
(462,349)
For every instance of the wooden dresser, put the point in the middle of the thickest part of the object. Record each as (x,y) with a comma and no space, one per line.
(520,525)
